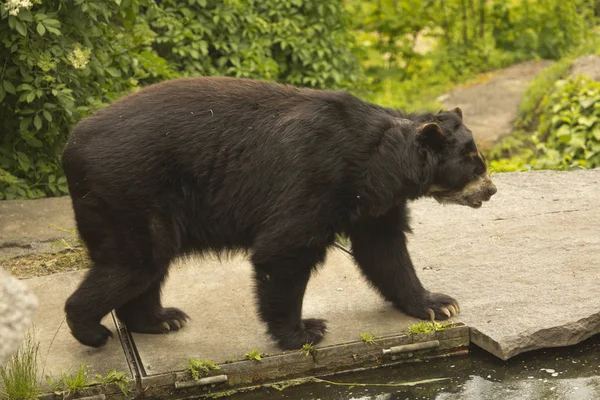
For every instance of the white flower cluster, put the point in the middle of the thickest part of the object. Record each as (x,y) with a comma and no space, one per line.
(79,57)
(14,6)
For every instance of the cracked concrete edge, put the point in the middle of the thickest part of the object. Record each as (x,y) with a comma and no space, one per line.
(559,336)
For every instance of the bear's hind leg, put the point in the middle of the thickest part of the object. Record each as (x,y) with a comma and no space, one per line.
(280,284)
(105,287)
(145,313)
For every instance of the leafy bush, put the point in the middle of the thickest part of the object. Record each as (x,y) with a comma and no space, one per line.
(570,125)
(568,135)
(302,42)
(60,63)
(544,28)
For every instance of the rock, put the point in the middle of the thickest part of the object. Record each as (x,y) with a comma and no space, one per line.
(587,65)
(17,307)
(524,267)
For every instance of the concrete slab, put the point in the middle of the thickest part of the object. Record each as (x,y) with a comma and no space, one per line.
(59,351)
(32,226)
(219,298)
(525,267)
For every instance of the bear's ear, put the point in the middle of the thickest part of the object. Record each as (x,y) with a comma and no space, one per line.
(458,112)
(431,135)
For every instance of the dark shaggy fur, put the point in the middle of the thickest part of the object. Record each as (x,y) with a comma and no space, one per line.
(222,164)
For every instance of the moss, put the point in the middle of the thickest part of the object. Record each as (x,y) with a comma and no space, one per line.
(200,368)
(426,327)
(368,338)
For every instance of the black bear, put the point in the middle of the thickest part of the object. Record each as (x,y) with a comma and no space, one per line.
(215,164)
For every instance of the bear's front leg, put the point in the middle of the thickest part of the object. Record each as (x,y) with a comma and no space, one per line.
(379,248)
(280,285)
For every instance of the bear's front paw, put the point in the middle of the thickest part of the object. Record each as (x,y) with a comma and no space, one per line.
(433,306)
(311,331)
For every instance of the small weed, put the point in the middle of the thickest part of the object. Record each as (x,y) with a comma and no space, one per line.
(118,378)
(368,338)
(71,383)
(308,349)
(253,355)
(19,374)
(426,327)
(200,367)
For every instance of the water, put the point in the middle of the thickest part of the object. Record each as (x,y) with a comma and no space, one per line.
(552,374)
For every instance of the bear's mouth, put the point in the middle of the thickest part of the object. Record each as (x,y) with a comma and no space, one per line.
(475,204)
(456,198)
(472,195)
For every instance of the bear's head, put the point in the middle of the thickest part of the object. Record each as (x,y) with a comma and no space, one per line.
(460,173)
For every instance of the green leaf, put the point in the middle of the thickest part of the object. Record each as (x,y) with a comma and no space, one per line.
(21,28)
(34,142)
(41,29)
(578,140)
(2,93)
(53,30)
(23,160)
(37,122)
(113,72)
(25,15)
(52,22)
(9,87)
(30,97)
(51,178)
(587,121)
(24,124)
(23,87)
(47,115)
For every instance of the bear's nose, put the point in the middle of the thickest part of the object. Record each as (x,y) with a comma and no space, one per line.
(492,190)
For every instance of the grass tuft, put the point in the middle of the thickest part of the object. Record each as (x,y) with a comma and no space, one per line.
(19,375)
(69,384)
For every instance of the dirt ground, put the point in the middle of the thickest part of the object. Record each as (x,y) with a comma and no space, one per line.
(490,108)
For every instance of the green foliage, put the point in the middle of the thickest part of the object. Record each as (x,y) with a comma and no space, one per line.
(302,42)
(253,355)
(59,63)
(69,384)
(425,327)
(19,375)
(546,28)
(570,125)
(542,84)
(414,51)
(118,378)
(568,135)
(200,368)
